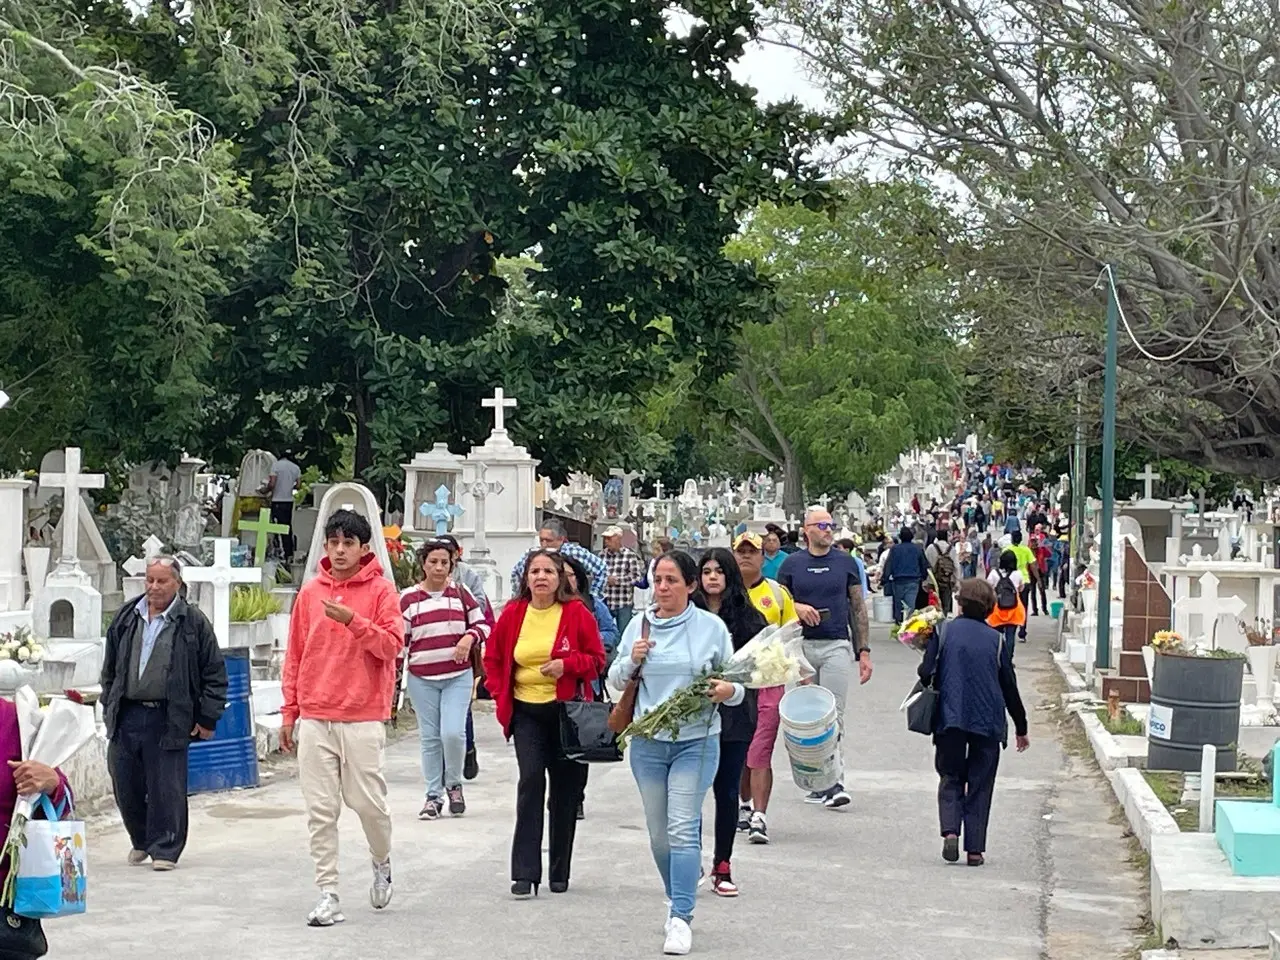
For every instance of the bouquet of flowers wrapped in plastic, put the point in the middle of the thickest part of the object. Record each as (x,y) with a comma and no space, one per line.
(918,627)
(771,658)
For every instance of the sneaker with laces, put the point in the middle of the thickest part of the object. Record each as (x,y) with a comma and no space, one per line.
(815,797)
(679,940)
(431,810)
(837,798)
(380,891)
(326,912)
(457,805)
(759,830)
(744,817)
(722,880)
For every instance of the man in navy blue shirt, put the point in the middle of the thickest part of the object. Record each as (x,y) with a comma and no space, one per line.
(827,588)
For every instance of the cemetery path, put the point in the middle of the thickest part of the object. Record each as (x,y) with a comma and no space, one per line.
(864,884)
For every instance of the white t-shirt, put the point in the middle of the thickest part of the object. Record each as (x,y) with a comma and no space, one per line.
(994,577)
(287,474)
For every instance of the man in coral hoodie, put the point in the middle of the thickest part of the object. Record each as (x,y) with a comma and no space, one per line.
(345,634)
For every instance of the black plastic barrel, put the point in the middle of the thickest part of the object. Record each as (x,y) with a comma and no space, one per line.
(1200,697)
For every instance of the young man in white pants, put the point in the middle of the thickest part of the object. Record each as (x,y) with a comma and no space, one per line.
(346,632)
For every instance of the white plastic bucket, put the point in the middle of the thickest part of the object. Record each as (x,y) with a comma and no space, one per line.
(882,608)
(807,716)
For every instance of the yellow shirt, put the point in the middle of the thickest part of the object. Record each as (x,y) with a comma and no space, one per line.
(1025,559)
(533,649)
(772,599)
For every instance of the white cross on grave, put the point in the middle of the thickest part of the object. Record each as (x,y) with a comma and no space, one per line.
(823,501)
(657,486)
(137,566)
(1209,607)
(1148,478)
(480,490)
(499,404)
(223,576)
(72,481)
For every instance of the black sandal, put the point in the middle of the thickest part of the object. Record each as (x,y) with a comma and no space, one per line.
(951,849)
(976,860)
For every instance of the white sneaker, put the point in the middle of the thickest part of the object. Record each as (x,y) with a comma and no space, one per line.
(679,938)
(326,912)
(380,892)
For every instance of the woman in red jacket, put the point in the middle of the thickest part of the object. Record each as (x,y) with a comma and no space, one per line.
(544,649)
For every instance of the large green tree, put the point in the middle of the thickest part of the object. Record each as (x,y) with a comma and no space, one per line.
(1143,135)
(395,153)
(858,363)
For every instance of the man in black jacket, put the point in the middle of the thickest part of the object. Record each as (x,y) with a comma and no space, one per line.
(163,685)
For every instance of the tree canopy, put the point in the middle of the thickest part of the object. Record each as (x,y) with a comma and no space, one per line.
(356,174)
(1087,133)
(857,363)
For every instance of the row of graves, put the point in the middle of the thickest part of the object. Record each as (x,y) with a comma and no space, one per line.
(1192,667)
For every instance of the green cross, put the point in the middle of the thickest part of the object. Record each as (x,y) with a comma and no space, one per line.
(263,527)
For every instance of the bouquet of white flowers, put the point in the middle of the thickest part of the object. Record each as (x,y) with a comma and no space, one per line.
(21,646)
(773,657)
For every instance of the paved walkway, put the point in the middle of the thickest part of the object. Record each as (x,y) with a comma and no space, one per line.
(864,883)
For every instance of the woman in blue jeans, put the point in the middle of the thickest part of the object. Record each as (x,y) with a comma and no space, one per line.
(673,644)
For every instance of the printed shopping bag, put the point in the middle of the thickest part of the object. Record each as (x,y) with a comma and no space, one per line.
(51,867)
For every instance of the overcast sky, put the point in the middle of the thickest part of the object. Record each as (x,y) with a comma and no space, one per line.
(777,74)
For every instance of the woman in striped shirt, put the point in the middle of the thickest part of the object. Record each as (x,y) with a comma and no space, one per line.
(443,621)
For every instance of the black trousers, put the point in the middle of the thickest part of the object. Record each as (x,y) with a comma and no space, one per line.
(728,781)
(946,597)
(545,776)
(282,512)
(1025,594)
(966,765)
(149,782)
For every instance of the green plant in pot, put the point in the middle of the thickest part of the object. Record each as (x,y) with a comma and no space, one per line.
(1195,700)
(250,607)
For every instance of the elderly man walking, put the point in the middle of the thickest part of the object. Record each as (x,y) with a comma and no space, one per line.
(552,536)
(624,569)
(163,685)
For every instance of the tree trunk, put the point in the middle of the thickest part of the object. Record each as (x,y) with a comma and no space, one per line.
(793,496)
(363,403)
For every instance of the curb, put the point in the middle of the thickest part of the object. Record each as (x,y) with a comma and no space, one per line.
(1107,750)
(1147,816)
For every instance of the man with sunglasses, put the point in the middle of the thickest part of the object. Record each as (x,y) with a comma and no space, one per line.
(828,588)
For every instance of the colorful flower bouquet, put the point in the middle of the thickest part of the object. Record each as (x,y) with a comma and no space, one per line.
(772,658)
(918,627)
(1168,641)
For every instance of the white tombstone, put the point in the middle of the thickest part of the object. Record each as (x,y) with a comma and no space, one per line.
(480,490)
(360,499)
(255,467)
(422,476)
(13,534)
(510,518)
(1209,608)
(223,577)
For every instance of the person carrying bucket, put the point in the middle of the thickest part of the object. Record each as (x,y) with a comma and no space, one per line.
(828,592)
(776,606)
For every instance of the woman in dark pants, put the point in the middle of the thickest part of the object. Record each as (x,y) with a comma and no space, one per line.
(544,649)
(971,667)
(722,591)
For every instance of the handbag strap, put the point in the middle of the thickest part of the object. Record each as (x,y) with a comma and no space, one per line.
(51,812)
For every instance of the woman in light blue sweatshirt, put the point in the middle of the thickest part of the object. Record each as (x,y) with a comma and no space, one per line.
(674,775)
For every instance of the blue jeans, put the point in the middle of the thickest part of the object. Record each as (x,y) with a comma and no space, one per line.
(674,779)
(904,597)
(441,706)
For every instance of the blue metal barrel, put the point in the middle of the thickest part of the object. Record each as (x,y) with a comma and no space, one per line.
(230,759)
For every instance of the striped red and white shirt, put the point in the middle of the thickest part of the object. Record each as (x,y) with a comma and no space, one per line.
(434,623)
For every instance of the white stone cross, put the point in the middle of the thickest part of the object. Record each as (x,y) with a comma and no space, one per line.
(223,576)
(1209,606)
(480,489)
(72,481)
(1148,478)
(137,566)
(657,486)
(628,480)
(823,501)
(499,404)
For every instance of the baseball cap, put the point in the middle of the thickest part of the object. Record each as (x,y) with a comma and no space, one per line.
(614,531)
(749,538)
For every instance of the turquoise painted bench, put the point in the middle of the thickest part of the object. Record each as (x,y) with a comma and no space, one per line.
(1248,831)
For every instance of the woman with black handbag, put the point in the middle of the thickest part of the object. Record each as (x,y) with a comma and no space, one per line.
(722,591)
(544,650)
(971,669)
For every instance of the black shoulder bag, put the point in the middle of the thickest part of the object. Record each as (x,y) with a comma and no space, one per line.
(922,712)
(584,729)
